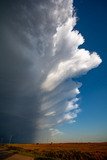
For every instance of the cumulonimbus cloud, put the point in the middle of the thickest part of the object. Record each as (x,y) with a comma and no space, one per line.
(76,62)
(40,56)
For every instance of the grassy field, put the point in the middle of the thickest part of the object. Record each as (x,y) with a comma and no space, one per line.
(56,151)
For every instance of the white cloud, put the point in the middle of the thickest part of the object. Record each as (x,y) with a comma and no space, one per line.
(55,132)
(51,46)
(66,61)
(69,117)
(71,105)
(50,113)
(78,64)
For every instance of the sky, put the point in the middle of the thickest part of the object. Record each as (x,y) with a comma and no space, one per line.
(53,71)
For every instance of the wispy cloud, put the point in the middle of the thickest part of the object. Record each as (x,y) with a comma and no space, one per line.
(55,132)
(50,113)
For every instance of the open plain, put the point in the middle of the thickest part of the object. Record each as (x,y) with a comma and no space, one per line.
(54,151)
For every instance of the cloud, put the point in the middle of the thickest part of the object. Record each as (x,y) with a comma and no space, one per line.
(50,113)
(79,64)
(39,58)
(55,132)
(69,117)
(71,104)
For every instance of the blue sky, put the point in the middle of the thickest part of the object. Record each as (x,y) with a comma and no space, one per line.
(92,121)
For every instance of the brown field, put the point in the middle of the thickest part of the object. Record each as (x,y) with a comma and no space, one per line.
(19,157)
(55,151)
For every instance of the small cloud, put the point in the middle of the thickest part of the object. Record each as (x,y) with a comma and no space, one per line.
(50,113)
(55,132)
(69,117)
(71,105)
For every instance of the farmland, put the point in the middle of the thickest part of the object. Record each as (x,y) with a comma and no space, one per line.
(54,151)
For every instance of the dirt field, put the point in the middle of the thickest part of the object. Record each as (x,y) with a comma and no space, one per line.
(59,151)
(19,157)
(84,147)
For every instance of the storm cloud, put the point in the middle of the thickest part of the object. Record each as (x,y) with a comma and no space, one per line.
(39,58)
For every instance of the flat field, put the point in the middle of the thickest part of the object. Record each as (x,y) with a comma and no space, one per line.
(56,151)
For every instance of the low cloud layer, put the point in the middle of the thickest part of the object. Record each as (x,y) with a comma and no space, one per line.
(39,58)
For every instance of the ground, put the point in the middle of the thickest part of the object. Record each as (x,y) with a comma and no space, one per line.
(54,151)
(19,157)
